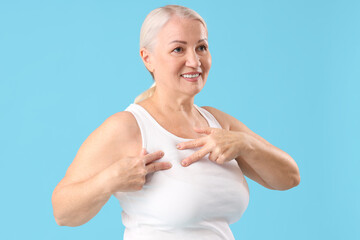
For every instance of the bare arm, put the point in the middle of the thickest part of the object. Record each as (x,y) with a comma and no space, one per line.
(274,166)
(75,204)
(262,162)
(84,190)
(110,160)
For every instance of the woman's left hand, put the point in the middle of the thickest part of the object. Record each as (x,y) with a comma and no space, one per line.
(223,145)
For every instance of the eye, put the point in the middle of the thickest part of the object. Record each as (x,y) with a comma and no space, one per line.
(203,48)
(178,49)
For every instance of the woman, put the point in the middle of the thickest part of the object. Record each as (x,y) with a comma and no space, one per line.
(176,168)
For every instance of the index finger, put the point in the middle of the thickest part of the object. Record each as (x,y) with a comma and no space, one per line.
(195,157)
(199,142)
(153,156)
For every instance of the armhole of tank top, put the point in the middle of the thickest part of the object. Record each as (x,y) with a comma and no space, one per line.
(141,127)
(209,116)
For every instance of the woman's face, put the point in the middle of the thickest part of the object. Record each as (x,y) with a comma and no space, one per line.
(181,59)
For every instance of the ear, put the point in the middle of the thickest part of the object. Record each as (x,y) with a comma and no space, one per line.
(146,57)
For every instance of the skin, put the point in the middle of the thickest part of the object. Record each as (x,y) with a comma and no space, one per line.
(174,96)
(169,60)
(101,168)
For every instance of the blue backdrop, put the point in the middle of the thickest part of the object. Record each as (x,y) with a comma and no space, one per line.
(289,70)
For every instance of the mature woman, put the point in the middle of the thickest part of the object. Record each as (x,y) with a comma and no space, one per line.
(176,168)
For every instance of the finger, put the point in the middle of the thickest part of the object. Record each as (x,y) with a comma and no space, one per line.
(158,166)
(225,157)
(195,157)
(214,155)
(153,156)
(206,130)
(221,159)
(199,142)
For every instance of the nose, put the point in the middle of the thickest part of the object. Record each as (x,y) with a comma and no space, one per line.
(192,59)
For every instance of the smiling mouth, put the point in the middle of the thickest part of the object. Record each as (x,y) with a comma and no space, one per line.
(190,75)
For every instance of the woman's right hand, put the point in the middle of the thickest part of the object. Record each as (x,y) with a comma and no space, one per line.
(128,174)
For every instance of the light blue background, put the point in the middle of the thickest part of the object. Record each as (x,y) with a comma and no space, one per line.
(289,70)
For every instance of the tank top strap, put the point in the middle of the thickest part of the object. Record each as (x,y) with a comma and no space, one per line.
(141,121)
(209,117)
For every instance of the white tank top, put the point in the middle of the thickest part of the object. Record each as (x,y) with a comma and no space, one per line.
(181,203)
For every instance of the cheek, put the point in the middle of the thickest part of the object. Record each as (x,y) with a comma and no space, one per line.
(207,63)
(168,65)
(209,60)
(175,65)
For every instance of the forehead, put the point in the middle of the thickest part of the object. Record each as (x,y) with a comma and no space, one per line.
(182,29)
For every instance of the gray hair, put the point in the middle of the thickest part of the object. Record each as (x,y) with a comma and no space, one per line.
(152,25)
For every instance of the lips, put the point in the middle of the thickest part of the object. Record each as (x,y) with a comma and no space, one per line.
(191,73)
(191,77)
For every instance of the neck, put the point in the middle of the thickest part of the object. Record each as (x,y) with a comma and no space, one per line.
(167,102)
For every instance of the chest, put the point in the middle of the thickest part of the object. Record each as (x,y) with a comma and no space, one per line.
(182,196)
(181,126)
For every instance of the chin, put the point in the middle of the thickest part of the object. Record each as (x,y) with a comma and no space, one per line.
(195,90)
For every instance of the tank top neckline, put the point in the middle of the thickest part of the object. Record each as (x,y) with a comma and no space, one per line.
(162,128)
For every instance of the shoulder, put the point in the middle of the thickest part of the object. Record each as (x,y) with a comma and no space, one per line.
(230,122)
(117,133)
(219,115)
(121,122)
(122,129)
(117,127)
(227,121)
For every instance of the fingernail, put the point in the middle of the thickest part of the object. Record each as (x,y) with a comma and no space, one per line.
(184,163)
(161,153)
(168,165)
(178,146)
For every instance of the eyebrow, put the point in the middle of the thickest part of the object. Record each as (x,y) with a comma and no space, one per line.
(184,42)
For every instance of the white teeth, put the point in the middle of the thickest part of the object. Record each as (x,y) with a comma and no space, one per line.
(191,75)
